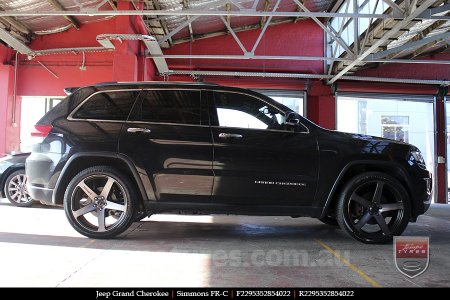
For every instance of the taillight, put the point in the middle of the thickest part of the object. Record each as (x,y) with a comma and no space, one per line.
(41,130)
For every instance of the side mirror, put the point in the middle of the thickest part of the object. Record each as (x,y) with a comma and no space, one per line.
(292,119)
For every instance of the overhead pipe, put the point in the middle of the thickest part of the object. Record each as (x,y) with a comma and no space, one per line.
(305,76)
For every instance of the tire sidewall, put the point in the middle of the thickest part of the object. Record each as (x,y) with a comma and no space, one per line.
(119,227)
(344,198)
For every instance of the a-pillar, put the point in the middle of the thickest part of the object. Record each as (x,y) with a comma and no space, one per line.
(321,105)
(9,126)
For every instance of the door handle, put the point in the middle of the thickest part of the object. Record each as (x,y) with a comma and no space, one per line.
(137,129)
(230,136)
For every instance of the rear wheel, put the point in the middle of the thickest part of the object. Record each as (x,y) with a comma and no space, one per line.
(373,207)
(100,202)
(16,189)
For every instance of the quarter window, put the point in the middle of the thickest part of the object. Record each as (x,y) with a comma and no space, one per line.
(242,111)
(168,106)
(115,105)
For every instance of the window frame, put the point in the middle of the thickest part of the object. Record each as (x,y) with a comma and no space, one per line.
(213,115)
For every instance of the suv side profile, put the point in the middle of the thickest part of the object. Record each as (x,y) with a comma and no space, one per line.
(114,153)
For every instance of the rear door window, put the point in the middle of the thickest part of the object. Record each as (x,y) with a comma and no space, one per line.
(168,106)
(113,105)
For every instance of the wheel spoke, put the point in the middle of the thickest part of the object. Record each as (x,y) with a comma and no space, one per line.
(363,221)
(378,192)
(14,184)
(87,190)
(82,211)
(101,220)
(382,223)
(107,187)
(364,202)
(392,206)
(115,206)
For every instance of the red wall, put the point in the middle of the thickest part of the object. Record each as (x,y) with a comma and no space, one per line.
(303,38)
(9,132)
(415,71)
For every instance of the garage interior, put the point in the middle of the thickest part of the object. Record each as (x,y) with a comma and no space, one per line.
(376,67)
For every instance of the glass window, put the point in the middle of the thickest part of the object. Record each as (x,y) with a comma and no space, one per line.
(237,110)
(168,106)
(395,128)
(291,99)
(108,106)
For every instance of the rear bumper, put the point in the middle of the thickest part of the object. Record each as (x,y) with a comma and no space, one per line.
(44,195)
(42,172)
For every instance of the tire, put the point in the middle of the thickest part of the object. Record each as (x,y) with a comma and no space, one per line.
(89,209)
(329,221)
(373,207)
(16,190)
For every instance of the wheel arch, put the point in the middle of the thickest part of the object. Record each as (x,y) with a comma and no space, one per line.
(84,160)
(358,167)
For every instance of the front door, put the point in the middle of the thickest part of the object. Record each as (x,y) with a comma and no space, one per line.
(166,139)
(259,160)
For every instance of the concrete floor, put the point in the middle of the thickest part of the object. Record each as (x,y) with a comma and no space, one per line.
(39,248)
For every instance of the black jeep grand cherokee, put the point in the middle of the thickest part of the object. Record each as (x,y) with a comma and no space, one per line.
(113,153)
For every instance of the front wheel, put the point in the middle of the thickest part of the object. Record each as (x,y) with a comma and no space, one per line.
(373,207)
(99,202)
(16,189)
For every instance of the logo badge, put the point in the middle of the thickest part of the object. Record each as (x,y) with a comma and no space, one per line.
(411,254)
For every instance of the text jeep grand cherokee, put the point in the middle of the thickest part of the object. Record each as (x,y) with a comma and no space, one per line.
(113,153)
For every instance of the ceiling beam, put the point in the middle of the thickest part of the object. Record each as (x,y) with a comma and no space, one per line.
(400,25)
(304,76)
(14,42)
(70,18)
(19,26)
(197,12)
(297,58)
(191,32)
(111,3)
(410,45)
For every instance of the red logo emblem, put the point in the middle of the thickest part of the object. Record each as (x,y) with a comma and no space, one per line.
(411,254)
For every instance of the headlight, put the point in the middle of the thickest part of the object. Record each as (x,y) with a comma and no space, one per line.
(418,158)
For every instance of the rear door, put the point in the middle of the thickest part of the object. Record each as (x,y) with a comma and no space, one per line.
(167,139)
(259,160)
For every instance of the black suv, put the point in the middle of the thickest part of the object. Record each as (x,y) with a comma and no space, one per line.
(113,153)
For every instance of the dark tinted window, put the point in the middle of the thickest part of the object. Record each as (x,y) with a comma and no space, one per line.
(168,106)
(108,106)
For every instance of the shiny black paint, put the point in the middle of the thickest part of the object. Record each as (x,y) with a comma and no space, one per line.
(189,168)
(265,167)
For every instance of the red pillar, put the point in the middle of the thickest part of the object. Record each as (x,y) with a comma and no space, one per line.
(125,62)
(441,143)
(321,105)
(9,131)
